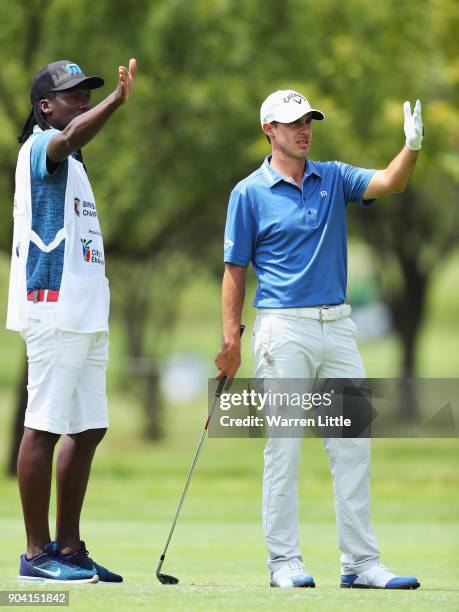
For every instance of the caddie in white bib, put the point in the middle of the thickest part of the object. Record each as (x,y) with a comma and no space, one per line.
(59,302)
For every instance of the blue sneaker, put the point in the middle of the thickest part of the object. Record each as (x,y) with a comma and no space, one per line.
(50,566)
(81,558)
(378,577)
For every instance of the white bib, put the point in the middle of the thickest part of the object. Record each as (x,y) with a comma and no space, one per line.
(83,304)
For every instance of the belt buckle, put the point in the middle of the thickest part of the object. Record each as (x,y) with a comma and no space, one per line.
(321,319)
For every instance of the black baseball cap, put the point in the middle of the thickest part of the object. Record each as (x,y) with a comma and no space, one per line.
(60,76)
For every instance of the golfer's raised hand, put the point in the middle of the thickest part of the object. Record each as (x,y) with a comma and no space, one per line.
(413,127)
(126,80)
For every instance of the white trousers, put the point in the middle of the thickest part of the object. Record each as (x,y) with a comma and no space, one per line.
(289,346)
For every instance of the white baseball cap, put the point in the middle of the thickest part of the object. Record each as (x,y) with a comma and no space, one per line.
(285,106)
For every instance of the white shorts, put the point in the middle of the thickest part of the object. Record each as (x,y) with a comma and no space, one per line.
(67,373)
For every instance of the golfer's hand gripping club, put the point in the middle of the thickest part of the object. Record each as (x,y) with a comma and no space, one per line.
(222,382)
(166,578)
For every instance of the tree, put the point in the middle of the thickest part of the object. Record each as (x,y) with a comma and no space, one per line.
(362,61)
(165,165)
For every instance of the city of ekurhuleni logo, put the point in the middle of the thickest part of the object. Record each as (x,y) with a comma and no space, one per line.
(86,251)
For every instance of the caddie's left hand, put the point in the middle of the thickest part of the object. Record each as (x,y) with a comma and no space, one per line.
(414,130)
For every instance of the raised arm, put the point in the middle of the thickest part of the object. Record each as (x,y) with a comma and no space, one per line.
(83,128)
(396,176)
(228,358)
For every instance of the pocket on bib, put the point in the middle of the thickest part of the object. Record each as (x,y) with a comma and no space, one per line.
(84,303)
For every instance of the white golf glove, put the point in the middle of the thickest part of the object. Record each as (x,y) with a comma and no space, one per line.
(414,130)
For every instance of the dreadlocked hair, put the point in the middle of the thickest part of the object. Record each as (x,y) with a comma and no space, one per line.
(36,117)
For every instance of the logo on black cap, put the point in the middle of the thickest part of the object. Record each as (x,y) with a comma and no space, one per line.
(64,73)
(59,76)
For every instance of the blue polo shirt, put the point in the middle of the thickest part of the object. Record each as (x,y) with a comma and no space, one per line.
(295,239)
(44,270)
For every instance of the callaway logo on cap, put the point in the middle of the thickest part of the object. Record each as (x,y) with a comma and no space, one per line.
(285,106)
(59,76)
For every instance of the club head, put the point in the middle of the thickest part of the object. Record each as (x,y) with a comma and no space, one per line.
(166,579)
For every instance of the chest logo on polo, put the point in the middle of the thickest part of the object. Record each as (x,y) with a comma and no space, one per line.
(76,206)
(323,194)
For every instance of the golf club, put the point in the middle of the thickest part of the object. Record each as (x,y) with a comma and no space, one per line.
(165,578)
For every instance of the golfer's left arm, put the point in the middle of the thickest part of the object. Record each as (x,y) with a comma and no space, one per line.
(396,176)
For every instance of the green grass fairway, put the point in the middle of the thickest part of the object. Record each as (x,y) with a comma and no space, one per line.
(217,550)
(220,566)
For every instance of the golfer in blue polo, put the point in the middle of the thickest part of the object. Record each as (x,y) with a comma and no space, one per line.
(288,219)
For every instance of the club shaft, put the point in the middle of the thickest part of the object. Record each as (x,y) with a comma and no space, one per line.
(217,395)
(190,473)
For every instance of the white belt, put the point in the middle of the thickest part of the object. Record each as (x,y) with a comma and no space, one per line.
(320,313)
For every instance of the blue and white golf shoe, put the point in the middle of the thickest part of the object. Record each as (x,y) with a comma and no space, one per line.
(290,575)
(378,577)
